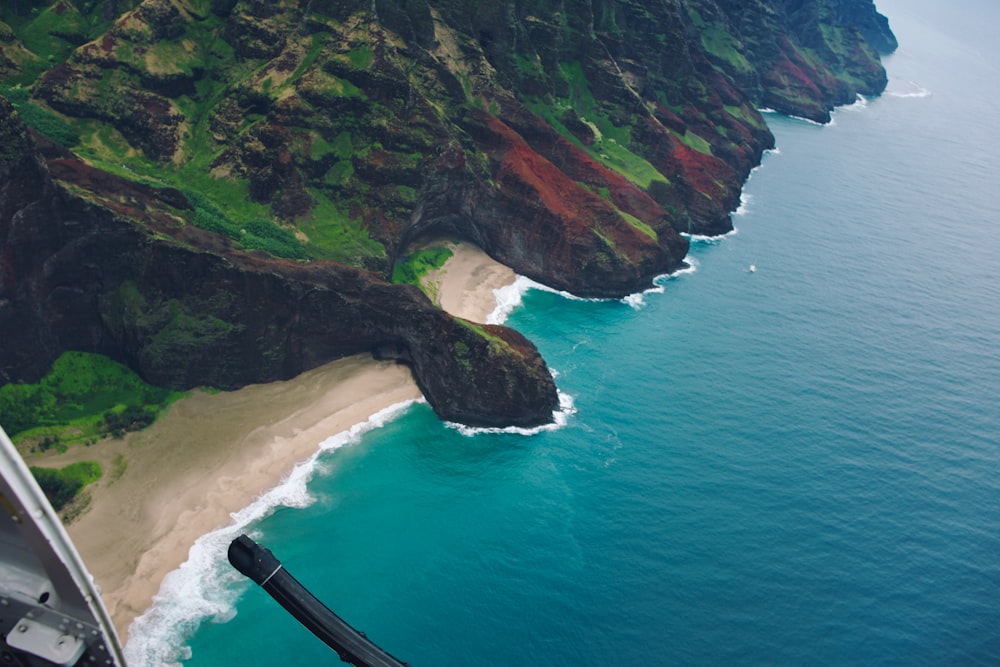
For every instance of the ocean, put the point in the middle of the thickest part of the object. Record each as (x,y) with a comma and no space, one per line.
(794,465)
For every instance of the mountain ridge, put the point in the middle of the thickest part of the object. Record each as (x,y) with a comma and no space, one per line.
(573,141)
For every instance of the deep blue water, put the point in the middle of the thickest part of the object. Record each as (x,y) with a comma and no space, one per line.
(798,465)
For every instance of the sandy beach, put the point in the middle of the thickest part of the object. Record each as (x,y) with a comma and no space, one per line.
(212,454)
(465,284)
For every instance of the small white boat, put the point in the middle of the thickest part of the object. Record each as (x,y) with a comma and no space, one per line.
(753,267)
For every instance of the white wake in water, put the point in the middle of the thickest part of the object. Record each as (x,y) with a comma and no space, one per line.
(911,89)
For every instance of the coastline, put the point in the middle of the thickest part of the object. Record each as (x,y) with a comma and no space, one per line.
(464,285)
(211,455)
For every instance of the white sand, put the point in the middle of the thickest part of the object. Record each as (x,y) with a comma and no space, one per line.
(465,284)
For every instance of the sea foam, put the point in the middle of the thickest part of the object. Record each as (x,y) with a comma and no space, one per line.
(767,110)
(563,293)
(860,104)
(637,300)
(702,239)
(916,91)
(508,298)
(204,587)
(560,417)
(745,197)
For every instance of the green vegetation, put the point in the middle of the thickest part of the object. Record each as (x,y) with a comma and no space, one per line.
(604,193)
(745,115)
(50,34)
(316,43)
(16,95)
(84,397)
(255,234)
(609,151)
(528,69)
(692,140)
(187,328)
(62,485)
(342,146)
(171,57)
(172,329)
(362,56)
(495,344)
(265,235)
(717,40)
(334,234)
(419,264)
(339,173)
(221,204)
(199,56)
(462,356)
(612,141)
(580,97)
(40,119)
(639,225)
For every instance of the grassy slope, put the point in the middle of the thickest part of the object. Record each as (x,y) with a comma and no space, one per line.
(224,205)
(62,485)
(83,398)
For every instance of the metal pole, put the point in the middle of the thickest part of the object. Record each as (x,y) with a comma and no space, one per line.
(260,565)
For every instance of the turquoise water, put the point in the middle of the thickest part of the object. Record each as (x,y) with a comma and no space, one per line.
(797,465)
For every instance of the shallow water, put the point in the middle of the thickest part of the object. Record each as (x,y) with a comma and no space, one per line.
(796,465)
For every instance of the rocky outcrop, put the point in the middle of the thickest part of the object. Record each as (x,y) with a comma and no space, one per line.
(804,58)
(863,16)
(550,223)
(118,274)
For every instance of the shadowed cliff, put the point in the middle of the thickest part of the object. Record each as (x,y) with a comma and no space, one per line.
(244,175)
(119,275)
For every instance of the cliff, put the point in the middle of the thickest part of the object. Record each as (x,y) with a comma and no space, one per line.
(573,140)
(118,274)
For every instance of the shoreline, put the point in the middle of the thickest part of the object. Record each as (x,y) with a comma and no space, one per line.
(213,454)
(465,285)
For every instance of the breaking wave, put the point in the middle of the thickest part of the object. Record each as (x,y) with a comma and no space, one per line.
(637,300)
(915,91)
(701,239)
(560,417)
(860,104)
(508,298)
(767,110)
(204,587)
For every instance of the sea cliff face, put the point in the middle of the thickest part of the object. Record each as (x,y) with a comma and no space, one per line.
(573,141)
(119,275)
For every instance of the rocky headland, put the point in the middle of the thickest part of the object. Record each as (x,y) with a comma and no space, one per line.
(237,179)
